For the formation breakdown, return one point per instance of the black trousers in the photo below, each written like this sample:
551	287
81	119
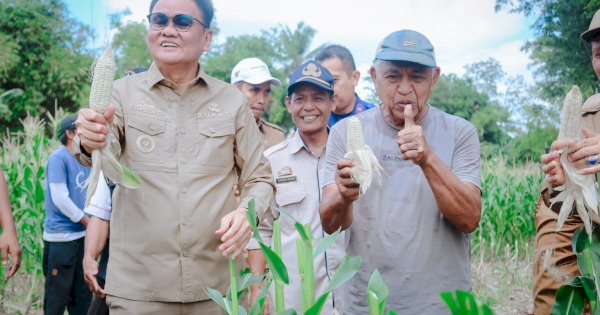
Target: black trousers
65	287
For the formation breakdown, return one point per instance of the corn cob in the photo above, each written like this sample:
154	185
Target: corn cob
103	74
578	190
365	162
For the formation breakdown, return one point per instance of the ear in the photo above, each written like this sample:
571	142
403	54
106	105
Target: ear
373	73
288	104
334	101
355	76
208	35
436	75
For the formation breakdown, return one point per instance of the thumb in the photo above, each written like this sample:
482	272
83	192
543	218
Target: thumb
109	113
588	133
409	117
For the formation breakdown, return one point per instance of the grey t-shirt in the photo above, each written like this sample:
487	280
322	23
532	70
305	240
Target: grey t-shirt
397	225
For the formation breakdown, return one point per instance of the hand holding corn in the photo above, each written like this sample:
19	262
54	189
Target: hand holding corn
103	159
411	140
578	190
365	162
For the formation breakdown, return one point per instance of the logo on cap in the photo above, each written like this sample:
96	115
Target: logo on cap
311	69
409	43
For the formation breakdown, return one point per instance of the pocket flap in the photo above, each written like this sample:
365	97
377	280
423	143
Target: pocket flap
217	129
148	125
289	193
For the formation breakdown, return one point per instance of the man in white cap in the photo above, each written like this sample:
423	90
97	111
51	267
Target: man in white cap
253	78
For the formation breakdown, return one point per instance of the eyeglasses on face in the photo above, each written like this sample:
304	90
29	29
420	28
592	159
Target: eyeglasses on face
181	22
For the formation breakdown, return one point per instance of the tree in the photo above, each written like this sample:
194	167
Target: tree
42	52
485	76
560	58
130	44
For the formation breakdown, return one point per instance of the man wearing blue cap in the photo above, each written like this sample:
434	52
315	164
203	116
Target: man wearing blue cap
298	165
413	226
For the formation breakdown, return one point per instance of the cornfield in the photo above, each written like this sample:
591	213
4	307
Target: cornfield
506	227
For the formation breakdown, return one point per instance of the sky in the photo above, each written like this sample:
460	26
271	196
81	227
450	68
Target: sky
462	31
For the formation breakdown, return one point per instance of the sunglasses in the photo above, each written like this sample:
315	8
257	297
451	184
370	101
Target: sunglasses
181	22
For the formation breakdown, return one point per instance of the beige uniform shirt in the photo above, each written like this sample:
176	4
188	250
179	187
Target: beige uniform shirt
272	134
298	174
186	149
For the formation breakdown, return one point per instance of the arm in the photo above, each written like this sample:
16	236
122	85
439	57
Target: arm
95	240
458	200
96	234
255	182
336	204
9	245
60	197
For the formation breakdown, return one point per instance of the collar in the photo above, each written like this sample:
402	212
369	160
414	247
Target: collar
296	143
154	76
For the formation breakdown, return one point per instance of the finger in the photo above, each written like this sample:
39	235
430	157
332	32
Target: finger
409	118
236	225
589	170
549	157
549	169
109	113
225	223
588	133
241	235
4	250
343	163
559	144
16	262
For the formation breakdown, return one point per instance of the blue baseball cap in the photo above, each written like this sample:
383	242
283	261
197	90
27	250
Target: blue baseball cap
311	72
406	45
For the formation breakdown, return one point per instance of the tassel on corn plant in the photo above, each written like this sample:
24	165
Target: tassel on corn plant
103	74
578	190
365	162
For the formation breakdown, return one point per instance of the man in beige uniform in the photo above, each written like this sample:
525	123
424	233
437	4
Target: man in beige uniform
186	135
554	246
253	78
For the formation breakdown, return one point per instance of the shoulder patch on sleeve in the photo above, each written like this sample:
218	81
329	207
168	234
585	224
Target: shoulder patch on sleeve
270	151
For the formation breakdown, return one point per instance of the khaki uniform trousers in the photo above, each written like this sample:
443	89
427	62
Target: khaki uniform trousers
120	306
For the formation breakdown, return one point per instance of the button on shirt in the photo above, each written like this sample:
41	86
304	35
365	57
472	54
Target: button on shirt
298	174
186	149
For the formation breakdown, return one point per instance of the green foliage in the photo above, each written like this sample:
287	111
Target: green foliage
464	303
572	296
130	48
560	58
510	195
46	57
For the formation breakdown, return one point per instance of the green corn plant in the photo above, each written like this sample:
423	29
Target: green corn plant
279	298
239	284
572	296
377	294
464	303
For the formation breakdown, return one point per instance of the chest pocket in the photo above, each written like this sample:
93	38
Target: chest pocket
146	139
289	197
215	144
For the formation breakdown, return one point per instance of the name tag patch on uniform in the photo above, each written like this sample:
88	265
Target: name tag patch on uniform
147	107
285	179
145	144
214	111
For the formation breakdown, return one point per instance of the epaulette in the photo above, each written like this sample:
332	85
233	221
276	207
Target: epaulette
591	105
281	145
274	126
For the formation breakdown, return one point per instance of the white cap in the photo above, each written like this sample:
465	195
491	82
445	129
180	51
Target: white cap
253	71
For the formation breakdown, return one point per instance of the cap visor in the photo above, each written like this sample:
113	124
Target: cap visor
313	82
262	79
590	34
406	56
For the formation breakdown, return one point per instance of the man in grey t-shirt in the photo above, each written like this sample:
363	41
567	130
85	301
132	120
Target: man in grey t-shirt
413	226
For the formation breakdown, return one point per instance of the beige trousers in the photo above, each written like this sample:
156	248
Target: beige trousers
120	306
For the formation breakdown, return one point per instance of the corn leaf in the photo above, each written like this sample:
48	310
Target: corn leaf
570	298
347	269
326	242
289	311
259	302
252	219
276	265
587	250
316	308
217	297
